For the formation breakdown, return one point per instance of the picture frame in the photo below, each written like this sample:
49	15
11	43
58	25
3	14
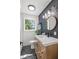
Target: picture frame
29	25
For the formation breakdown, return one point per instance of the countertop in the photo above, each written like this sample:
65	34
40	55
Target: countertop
46	41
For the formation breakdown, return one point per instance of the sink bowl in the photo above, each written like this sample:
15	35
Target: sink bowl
46	40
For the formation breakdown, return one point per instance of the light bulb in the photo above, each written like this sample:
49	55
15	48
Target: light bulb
49	12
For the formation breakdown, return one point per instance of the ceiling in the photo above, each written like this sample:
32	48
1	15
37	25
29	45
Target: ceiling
40	5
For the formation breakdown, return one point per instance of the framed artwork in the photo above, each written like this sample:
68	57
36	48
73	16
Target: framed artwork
29	25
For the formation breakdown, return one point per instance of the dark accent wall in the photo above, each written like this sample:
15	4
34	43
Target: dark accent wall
43	22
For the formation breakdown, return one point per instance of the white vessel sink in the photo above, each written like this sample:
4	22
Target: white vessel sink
46	41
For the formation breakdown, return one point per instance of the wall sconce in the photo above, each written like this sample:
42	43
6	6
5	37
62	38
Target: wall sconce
45	16
48	14
53	13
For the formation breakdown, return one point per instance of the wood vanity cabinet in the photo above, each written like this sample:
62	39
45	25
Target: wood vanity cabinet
46	52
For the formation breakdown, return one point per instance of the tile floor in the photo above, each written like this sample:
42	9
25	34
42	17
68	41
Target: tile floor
28	50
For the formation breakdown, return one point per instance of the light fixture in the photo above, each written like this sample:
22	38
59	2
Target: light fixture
49	12
46	16
43	17
31	7
52	13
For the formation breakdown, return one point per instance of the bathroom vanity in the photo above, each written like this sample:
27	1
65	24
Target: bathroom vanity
46	47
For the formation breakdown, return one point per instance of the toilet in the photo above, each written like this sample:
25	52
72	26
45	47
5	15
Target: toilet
32	43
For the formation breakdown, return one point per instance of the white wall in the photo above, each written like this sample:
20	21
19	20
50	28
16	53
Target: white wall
26	36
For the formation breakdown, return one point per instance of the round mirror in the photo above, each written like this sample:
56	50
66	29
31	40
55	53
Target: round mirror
51	23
